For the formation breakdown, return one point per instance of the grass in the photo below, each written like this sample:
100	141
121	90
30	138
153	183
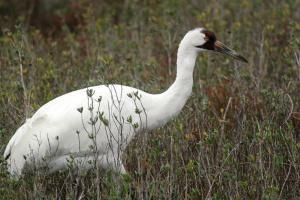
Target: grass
238	137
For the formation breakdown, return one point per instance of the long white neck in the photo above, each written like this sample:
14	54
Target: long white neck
173	100
181	89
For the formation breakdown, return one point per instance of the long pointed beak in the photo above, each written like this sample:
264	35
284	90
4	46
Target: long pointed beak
222	48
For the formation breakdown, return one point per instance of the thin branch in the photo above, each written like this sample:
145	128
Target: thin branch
297	57
291	109
221	170
286	178
23	83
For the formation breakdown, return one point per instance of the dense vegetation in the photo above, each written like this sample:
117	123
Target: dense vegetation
238	137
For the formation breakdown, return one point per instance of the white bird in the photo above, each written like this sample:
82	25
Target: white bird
93	126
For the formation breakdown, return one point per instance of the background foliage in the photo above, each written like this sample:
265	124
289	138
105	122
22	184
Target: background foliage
238	137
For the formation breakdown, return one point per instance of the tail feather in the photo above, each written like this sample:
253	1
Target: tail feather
15	139
8	148
6	156
15	148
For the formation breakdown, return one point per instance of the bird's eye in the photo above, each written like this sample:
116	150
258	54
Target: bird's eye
209	39
209	35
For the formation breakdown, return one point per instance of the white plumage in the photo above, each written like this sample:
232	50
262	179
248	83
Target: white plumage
94	125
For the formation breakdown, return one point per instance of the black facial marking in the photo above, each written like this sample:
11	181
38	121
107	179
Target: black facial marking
210	38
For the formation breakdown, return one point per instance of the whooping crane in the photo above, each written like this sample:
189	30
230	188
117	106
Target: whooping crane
94	125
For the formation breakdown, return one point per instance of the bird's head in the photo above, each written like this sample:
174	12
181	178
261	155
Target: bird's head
201	39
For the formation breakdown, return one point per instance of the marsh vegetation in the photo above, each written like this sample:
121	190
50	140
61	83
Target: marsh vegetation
238	137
